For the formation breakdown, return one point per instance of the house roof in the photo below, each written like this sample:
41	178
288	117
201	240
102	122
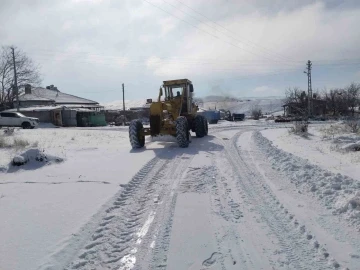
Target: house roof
43	94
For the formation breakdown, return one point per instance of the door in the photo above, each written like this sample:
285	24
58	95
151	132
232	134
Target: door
6	119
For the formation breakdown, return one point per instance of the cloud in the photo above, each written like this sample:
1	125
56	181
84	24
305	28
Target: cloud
99	43
279	43
262	89
266	91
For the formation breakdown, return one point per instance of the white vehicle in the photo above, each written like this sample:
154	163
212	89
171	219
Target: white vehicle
15	119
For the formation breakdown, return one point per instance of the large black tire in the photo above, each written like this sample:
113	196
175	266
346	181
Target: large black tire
26	125
182	132
136	139
200	125
206	128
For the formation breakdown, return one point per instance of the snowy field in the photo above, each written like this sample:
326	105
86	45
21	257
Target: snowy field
248	196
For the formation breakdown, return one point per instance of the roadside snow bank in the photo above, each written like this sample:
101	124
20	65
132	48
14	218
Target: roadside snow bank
335	191
351	146
32	159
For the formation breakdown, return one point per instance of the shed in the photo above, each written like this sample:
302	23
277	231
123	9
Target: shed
87	118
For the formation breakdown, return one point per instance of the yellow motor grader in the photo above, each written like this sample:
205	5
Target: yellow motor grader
174	113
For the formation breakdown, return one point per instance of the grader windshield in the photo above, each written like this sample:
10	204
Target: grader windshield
179	89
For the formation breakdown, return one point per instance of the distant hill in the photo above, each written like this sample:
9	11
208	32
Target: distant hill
118	104
236	105
245	105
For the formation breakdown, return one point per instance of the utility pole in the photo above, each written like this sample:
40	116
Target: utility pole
308	73
123	97
15	79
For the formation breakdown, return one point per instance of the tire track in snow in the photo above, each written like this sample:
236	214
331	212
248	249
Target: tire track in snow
145	205
158	258
229	204
114	234
292	238
334	230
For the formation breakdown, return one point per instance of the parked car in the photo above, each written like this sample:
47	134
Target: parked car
15	119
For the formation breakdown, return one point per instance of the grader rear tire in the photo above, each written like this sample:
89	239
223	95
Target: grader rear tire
206	126
136	139
182	132
200	126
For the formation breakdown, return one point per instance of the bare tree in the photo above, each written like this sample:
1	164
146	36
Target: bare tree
353	97
27	73
332	100
297	98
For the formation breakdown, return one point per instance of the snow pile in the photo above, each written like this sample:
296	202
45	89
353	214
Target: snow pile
32	159
347	142
19	160
351	146
337	192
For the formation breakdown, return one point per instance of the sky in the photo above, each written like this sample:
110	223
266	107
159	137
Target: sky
240	48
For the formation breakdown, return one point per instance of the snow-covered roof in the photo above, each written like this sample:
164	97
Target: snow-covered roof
59	107
37	109
28	97
41	94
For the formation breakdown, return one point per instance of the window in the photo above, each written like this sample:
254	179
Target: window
7	115
15	115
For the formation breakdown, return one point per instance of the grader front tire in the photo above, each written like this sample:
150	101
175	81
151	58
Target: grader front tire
182	132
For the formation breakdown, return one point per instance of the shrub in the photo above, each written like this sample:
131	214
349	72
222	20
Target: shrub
256	113
353	125
300	128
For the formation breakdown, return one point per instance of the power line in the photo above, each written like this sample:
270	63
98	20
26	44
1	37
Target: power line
45	53
232	44
248	41
203	63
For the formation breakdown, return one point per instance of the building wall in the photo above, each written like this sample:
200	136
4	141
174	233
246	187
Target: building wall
44	116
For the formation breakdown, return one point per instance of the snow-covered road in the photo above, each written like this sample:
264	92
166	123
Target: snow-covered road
231	200
215	205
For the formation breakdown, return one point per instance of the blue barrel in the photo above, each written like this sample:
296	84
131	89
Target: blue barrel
212	116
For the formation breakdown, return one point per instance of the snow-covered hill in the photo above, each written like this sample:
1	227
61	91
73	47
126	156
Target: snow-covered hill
118	104
243	105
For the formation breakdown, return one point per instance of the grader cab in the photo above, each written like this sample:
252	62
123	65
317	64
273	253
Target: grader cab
174	113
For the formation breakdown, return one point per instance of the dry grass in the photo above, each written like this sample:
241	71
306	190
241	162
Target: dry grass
3	142
18	143
333	129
